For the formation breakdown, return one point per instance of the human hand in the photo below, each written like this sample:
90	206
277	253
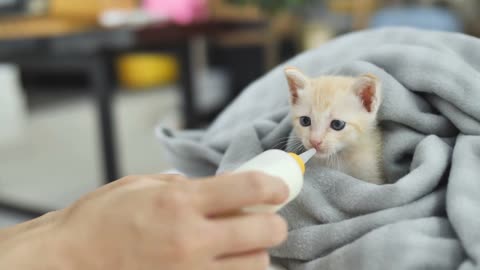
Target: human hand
167	222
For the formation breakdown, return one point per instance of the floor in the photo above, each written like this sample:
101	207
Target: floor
58	160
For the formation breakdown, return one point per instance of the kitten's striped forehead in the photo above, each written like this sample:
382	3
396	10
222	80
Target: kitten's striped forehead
327	91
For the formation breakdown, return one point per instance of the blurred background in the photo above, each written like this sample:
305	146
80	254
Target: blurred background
84	83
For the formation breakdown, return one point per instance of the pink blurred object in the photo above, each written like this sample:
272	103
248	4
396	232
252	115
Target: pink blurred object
180	11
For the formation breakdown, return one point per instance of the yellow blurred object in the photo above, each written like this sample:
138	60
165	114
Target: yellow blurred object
88	10
222	10
144	70
316	34
39	27
62	17
341	5
360	10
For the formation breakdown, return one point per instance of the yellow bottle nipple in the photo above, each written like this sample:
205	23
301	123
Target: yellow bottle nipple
299	160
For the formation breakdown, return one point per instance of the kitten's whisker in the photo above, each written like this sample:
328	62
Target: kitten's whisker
283	140
282	145
297	143
336	161
299	148
294	149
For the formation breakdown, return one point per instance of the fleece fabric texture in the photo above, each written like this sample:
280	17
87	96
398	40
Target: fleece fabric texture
427	216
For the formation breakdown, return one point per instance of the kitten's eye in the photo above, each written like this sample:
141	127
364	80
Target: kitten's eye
337	125
305	121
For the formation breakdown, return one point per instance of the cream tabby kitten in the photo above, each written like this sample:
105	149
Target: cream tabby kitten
337	116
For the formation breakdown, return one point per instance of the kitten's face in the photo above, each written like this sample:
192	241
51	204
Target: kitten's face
330	113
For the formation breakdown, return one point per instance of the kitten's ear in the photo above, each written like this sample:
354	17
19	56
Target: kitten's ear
297	81
367	87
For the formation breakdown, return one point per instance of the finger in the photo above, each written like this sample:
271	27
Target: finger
142	181
251	261
249	232
230	193
151	181
168	177
156	178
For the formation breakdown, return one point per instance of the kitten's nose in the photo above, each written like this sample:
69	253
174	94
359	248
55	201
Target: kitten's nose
315	143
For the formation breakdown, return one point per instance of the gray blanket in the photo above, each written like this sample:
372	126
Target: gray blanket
428	215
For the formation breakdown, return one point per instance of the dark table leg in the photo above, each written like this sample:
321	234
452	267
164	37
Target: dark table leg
186	84
27	211
98	69
103	90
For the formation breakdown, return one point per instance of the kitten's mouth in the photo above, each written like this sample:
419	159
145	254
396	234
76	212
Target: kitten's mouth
322	152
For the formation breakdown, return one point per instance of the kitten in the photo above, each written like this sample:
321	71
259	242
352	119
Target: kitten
337	116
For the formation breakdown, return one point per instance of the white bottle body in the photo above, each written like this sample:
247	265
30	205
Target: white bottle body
279	164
